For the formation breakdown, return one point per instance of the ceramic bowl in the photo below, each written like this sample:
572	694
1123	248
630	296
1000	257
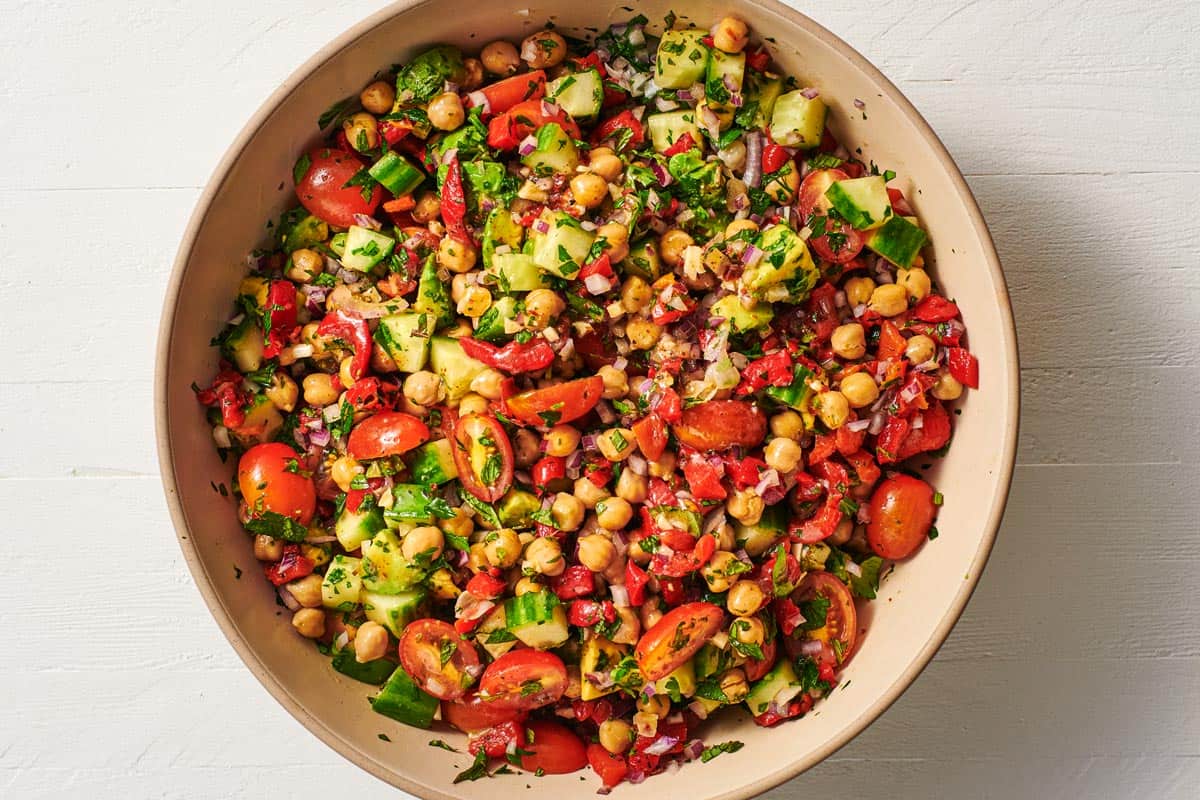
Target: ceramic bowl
919	602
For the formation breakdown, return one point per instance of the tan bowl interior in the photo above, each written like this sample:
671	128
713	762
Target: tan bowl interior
918	603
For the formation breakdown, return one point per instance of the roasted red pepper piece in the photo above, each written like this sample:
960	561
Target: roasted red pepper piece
651	435
289	567
352	331
611	127
635	583
672	304
891	439
773	158
935	308
758	60
704	478
680	145
684	562
770	370
513	357
864	466
891	342
964	367
485	586
226	393
666	403
281	314
744	472
586	613
365	395
454	202
824	446
822	524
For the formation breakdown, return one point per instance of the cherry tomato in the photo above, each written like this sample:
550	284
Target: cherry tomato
554	749
755	668
901	512
721	424
676	637
562	403
611	769
812	191
847	247
323	191
522	680
438	659
841	621
484	456
550	475
388	434
471	713
270	480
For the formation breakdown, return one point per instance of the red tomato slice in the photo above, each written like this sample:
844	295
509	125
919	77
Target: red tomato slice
388	434
504	94
323	191
841	621
676	637
932	435
471	714
812	191
651	435
270	480
849	245
484	456
611	769
964	367
721	424
553	749
522	680
438	659
562	403
901	512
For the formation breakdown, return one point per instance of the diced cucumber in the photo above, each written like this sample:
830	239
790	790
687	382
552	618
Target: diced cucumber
410	504
355	527
405	338
681	59
517	272
433	462
780	686
490	327
796	394
433	296
580	94
863	202
374	672
899	240
537	619
365	248
643	260
798	121
337	243
762	90
740	318
785	259
403	700
397	174
457	369
599	656
262	421
393	611
306	233
342	586
493	633
515	507
680	682
562	249
666	128
554	152
756	539
244	345
724	78
385	570
501	229
710	660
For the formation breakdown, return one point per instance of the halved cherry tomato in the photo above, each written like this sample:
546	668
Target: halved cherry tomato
811	196
901	512
471	713
438	660
483	455
773	157
388	434
841	621
523	680
323	192
552	748
555	404
721	424
676	637
612	126
270	479
504	94
611	769
651	435
755	668
848	244
497	741
550	475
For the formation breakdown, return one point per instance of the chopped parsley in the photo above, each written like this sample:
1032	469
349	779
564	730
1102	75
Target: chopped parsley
709	753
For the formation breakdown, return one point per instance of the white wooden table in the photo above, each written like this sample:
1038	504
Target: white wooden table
1076	669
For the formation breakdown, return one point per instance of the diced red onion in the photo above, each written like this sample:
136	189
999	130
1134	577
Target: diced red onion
857	425
620	596
288	600
575	463
754	148
367	221
877	423
730	84
859	310
528	145
648	690
767	480
839	299
620	364
736	100
700	710
637	464
597	283
918	422
910	391
751	256
810	93
661	746
637	37
661	173
605	412
541	226
854	569
663	104
859	104
588	442
714	521
635	776
601	680
810	647
685	95
449	155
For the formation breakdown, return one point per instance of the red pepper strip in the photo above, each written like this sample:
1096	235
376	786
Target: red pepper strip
891	342
704	479
290	567
393	130
352	331
651	435
497	740
744	472
635	583
681	145
822	525
485	586
226	394
772	370
758	60
575	581
672	591
848	441
964	367
454	202
281	314
824	447
935	308
786	614
513	358
612	126
891	440
365	395
865	467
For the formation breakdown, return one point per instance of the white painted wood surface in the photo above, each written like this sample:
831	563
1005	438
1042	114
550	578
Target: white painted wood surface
1076	669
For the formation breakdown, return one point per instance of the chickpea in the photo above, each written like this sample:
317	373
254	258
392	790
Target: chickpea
543	49
568	511
858	291
613	513
527	585
920	349
915	281
637	553
631	487
544	555
788	424
477	560
343	471
461	524
346	372
734	685
362	132
472	403
306	265
716	571
733	156
561	441
605	163
459	284
642	333
849	341
596	552
282	392
500	58
378	97
616	444
318	390
424	388
725	537
542	307
748	630
745	506
731	35
783	454
650	613
380	360
589	189
663	467
672	244
424	542
502	548
889	300
833	409
306	590
744	598
616	735
783	184
370	643
630	624
635	294
616	383
859	389
487	384
476	300
947	387
659	704
738	226
616	240
309	623
473	78
842	533
446	112
309	335
267	548
428	208
456	256
526	448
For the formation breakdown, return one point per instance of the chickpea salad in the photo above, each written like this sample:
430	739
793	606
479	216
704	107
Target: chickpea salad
584	395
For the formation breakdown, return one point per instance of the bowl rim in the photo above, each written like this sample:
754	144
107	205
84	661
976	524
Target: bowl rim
246	652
